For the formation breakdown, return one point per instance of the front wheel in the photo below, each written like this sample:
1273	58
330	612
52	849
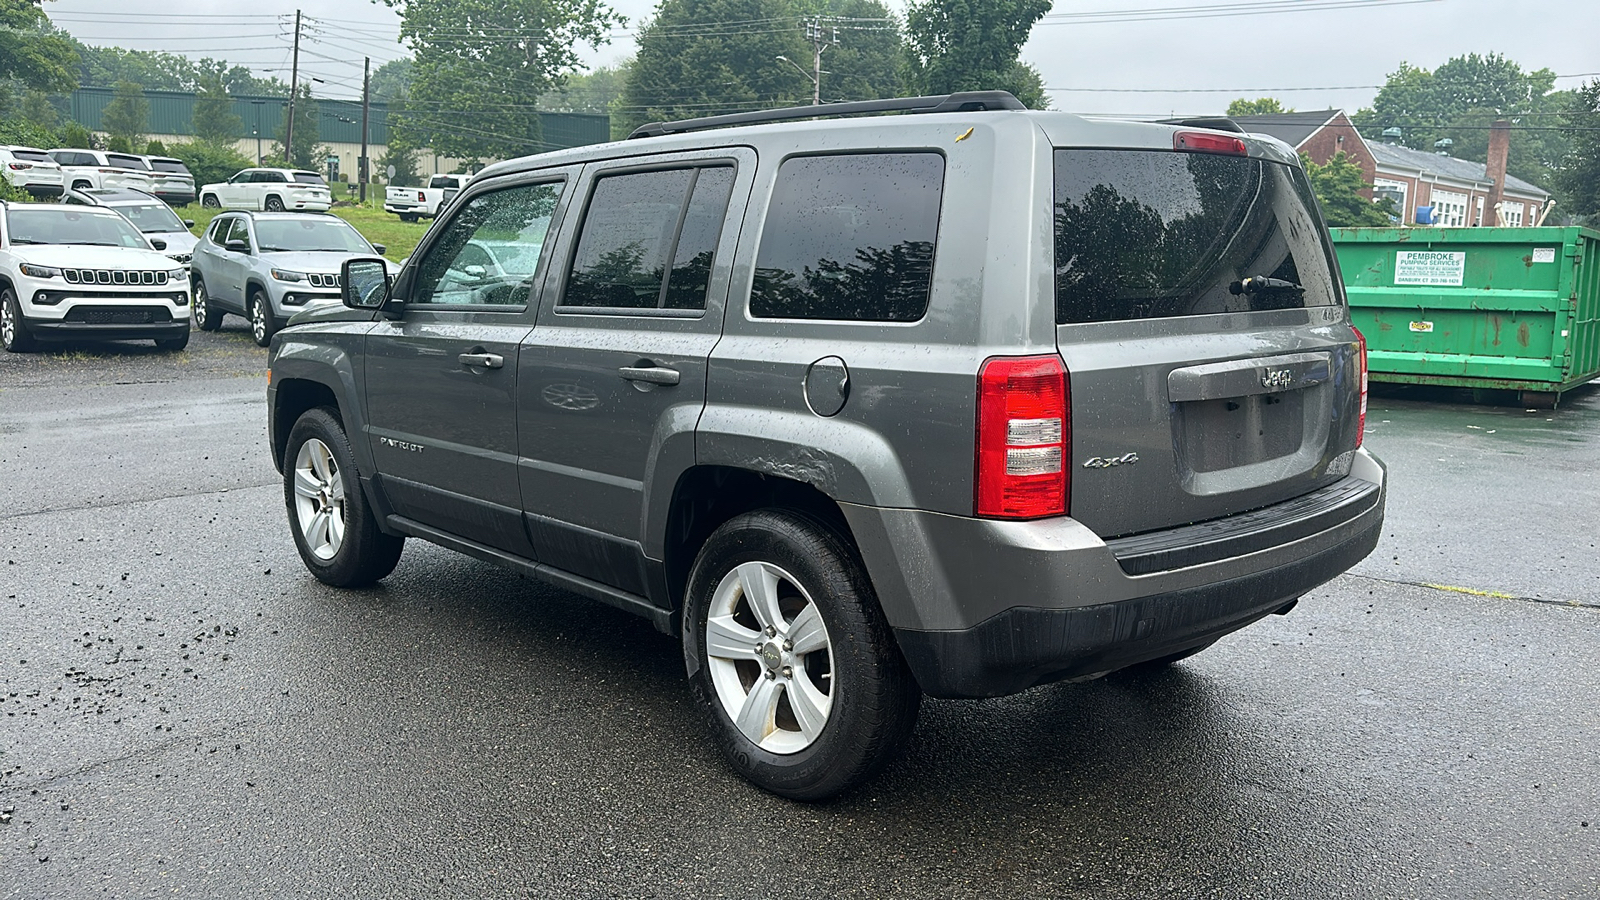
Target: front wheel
334	529
262	325
13	331
789	655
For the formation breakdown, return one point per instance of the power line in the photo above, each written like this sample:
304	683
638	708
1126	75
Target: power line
1216	11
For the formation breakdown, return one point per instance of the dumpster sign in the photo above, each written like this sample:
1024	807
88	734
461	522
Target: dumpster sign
1430	267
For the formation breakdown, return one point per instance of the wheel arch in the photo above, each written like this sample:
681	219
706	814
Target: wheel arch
706	496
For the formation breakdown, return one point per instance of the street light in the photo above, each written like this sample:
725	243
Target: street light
816	80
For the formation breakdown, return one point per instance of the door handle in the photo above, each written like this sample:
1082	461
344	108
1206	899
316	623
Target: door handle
482	360
650	374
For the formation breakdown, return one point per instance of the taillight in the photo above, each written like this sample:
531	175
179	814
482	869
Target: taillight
1201	142
1361	420
421	197
1024	437
18	166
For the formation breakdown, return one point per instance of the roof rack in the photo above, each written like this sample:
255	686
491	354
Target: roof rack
1215	123
966	101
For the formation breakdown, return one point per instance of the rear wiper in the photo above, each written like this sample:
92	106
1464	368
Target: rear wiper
1255	284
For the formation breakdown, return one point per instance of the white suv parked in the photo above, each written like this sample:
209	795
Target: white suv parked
31	170
84	273
98	169
270	189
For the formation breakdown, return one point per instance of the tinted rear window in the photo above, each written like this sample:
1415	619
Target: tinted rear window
1145	234
169	165
443	181
850	237
308	178
127	162
31	155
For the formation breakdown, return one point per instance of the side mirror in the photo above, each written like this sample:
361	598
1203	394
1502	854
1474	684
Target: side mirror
380	248
158	243
237	246
474	271
364	283
188	223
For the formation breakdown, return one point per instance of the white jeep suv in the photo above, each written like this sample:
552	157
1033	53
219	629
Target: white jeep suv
99	169
31	170
86	273
273	190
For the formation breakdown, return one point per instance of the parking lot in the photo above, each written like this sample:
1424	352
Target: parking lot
187	713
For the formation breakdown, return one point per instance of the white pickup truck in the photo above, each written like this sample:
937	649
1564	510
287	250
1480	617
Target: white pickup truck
413	203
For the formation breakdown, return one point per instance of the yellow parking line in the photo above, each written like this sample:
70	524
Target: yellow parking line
1472	591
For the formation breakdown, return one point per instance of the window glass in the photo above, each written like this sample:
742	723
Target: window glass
151	218
169	165
697	239
239	232
31	155
306	178
850	237
215	233
102	228
125	161
310	235
1143	234
627	240
489	251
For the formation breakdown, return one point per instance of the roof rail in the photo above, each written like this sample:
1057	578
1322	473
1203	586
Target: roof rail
966	101
1215	123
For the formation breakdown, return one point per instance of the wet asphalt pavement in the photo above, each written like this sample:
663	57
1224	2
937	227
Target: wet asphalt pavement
185	713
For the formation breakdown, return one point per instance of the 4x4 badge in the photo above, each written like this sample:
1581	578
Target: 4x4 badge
1101	462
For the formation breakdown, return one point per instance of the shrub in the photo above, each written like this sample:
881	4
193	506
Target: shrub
210	162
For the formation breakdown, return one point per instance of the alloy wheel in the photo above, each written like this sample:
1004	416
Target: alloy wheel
319	506
199	303
258	320
770	657
8	325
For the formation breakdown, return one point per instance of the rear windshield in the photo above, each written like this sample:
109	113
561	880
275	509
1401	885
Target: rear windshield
308	178
443	181
169	165
31	155
127	162
1144	234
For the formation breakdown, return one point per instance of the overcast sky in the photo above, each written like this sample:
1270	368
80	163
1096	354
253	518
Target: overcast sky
1330	57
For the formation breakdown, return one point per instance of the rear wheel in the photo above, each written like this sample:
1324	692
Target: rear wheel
210	201
13	330
407	217
274	204
334	529
206	316
262	325
81	185
789	656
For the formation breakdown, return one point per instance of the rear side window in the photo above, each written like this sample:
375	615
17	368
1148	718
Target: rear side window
850	237
648	239
1143	234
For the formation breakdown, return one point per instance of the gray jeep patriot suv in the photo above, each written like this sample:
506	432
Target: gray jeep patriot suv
956	401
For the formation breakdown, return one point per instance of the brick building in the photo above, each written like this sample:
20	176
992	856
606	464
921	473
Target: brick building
1455	191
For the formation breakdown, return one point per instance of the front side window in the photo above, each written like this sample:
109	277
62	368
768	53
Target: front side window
489	252
648	239
95	227
1145	234
219	228
850	237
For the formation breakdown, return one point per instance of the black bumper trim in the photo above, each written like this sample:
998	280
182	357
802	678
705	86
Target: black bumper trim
83	331
1247	532
1026	646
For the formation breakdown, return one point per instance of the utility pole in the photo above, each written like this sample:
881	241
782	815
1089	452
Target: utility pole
366	106
815	31
294	83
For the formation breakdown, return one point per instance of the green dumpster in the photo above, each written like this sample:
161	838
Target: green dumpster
1499	308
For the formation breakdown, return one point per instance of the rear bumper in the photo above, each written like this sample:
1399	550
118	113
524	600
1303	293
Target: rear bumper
175	198
984	608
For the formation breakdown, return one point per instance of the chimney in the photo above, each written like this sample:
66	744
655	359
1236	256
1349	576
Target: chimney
1499	149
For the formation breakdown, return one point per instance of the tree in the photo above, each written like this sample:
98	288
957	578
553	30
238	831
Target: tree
972	45
209	162
33	50
1460	100
391	81
1579	174
77	137
155	148
307	116
214	118
1338	186
125	117
37	109
865	63
1261	106
475	83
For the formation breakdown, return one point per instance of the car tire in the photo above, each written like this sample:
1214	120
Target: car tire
173	344
13	329
334	529
262	325
274	203
407	217
786	586
206	316
210	201
81	185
